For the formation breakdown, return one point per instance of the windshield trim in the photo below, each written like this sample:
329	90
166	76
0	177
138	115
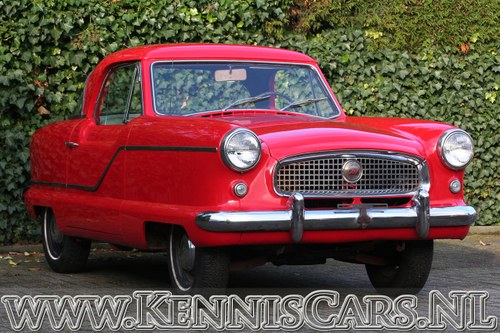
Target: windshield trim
325	84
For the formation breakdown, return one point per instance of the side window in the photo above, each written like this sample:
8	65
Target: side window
121	96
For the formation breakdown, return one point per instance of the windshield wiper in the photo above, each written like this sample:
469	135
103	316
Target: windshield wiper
303	102
248	100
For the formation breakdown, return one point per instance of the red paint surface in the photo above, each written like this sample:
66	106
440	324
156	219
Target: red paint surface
172	187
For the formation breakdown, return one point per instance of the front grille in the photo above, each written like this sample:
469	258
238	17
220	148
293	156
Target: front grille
383	174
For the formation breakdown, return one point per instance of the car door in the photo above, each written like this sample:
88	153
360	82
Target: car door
96	158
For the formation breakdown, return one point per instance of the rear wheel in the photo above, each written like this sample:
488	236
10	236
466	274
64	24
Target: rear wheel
64	254
410	265
195	269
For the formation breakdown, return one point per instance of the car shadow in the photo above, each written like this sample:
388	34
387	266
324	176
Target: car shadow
133	270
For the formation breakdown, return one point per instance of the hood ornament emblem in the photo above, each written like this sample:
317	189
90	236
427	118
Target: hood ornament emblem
352	171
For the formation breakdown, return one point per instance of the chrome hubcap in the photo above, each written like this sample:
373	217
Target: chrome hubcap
53	237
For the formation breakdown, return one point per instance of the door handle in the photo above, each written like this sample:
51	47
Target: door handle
71	144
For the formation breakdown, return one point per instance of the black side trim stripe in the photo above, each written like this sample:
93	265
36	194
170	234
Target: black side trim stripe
130	148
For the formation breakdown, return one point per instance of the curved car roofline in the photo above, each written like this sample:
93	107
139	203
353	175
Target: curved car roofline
208	52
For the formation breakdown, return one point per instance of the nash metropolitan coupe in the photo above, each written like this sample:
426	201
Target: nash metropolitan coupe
225	156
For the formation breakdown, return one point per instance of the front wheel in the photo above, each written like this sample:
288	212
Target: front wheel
63	253
411	263
195	269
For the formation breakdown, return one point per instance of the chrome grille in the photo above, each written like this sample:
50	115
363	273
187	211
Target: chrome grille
322	175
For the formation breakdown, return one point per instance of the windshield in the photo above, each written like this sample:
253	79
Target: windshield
190	88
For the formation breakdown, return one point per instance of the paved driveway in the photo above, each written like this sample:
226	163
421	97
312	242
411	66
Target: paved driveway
469	265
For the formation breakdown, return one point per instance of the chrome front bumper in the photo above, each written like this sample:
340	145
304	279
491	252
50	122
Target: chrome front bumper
295	220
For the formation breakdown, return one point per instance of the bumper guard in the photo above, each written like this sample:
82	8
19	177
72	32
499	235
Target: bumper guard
295	220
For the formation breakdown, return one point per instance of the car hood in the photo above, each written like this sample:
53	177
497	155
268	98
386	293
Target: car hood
287	135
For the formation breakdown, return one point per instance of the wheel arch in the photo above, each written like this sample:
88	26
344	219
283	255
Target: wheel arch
157	234
39	210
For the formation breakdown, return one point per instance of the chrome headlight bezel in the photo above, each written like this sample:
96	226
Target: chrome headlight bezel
445	151
234	159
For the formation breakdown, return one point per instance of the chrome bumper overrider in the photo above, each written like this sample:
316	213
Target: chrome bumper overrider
297	219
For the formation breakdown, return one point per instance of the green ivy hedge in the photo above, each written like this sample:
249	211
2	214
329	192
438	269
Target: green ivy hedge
404	24
442	85
47	47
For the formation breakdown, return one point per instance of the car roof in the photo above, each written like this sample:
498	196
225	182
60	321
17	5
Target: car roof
177	52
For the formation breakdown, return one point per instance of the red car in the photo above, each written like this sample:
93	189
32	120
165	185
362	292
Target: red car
225	156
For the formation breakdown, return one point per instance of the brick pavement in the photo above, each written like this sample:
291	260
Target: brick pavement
470	264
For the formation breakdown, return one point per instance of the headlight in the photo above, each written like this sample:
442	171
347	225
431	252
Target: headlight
456	148
241	149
